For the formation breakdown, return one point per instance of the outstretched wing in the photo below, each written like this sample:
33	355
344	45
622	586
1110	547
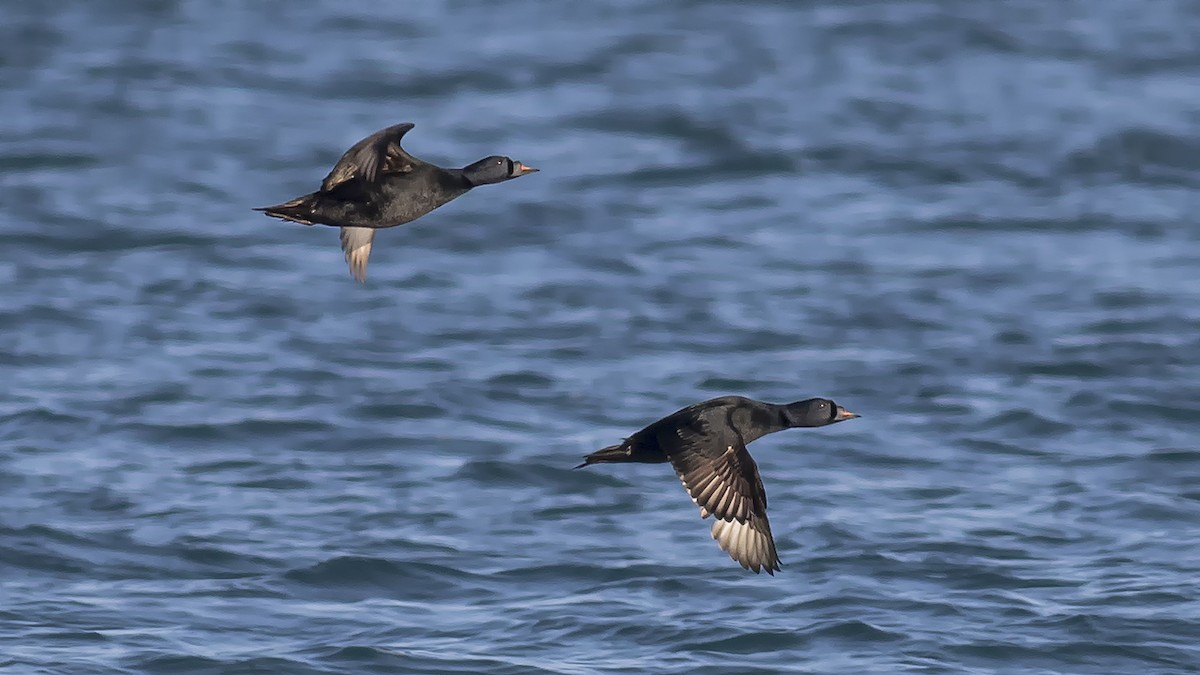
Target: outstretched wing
722	479
356	244
378	153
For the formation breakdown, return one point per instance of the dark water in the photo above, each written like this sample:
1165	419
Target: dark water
973	222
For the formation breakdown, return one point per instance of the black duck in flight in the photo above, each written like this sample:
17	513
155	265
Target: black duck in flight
377	184
706	444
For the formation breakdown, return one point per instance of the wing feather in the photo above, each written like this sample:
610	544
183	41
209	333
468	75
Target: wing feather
722	478
356	244
378	153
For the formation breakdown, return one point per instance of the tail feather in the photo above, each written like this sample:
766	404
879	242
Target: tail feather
613	453
298	210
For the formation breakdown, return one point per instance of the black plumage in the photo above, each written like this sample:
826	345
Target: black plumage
377	184
706	444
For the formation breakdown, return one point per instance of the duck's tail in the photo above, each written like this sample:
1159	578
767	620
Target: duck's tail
299	210
613	453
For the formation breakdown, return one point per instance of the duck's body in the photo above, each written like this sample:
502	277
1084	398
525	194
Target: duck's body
706	444
377	184
394	199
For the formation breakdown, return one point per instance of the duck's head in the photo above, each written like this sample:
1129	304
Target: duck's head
817	412
495	169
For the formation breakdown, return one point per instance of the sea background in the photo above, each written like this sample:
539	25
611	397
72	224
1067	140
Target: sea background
973	222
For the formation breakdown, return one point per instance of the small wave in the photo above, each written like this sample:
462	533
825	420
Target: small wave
360	577
1139	155
364	655
190	663
41	548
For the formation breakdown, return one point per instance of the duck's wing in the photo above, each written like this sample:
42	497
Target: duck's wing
722	479
356	244
376	154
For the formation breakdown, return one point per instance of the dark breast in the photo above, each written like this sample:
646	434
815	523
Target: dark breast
402	198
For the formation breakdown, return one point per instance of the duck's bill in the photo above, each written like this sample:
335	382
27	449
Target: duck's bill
523	169
843	414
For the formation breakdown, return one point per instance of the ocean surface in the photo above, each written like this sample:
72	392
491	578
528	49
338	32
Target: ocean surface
973	222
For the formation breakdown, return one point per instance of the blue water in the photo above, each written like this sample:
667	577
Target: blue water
974	223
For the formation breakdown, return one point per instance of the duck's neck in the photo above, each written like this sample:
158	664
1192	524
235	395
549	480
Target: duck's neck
765	418
783	417
452	182
458	178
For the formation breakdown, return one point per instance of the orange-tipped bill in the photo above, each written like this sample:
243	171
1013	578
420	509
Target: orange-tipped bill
843	415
